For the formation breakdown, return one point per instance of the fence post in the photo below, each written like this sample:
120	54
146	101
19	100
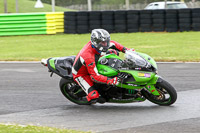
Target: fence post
89	5
5	6
53	5
165	4
127	4
17	6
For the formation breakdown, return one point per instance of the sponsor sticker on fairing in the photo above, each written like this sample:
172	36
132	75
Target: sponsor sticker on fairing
147	75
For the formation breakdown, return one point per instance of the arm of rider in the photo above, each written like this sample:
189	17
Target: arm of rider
112	51
96	77
118	46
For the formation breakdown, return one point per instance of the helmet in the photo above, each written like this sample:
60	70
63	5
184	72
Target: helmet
100	39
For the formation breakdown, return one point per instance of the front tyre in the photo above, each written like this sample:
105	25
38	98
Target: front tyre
167	93
73	92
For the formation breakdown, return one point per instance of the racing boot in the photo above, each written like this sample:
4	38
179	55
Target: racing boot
94	97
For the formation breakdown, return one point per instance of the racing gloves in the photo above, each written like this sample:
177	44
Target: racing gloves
112	51
113	81
130	49
116	80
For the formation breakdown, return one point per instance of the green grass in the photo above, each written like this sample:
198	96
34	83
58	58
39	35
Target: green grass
8	128
182	47
26	6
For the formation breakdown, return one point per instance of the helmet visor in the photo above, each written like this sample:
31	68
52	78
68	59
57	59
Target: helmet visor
104	45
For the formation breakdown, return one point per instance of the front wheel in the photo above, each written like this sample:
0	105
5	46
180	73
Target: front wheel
167	93
73	92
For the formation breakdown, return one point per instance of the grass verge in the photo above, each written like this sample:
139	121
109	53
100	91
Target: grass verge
7	128
180	46
28	6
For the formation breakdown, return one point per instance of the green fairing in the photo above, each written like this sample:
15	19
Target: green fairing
52	63
142	78
142	82
106	70
151	85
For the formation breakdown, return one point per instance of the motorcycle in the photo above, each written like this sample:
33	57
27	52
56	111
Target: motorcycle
137	73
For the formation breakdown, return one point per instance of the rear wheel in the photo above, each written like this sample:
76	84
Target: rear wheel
167	95
73	92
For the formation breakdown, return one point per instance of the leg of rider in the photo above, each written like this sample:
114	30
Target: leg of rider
87	84
92	94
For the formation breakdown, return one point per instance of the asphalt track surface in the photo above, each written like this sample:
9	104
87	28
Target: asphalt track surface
28	95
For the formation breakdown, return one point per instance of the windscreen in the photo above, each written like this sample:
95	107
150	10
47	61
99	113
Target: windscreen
134	59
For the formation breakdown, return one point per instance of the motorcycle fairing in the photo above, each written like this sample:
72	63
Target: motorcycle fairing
108	65
148	83
61	66
149	59
111	65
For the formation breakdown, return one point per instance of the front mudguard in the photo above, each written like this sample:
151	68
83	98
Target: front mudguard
151	85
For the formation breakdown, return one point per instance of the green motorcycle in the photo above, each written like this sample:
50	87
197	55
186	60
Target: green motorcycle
138	79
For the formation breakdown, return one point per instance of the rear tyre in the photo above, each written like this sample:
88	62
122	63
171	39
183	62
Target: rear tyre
73	92
167	95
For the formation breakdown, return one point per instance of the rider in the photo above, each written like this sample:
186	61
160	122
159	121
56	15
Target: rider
84	68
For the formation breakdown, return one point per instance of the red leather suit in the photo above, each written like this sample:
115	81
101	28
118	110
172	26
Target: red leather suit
84	68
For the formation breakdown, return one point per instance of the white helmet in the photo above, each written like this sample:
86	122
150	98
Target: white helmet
100	38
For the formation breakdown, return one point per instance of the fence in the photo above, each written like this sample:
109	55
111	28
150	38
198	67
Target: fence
31	23
171	20
136	6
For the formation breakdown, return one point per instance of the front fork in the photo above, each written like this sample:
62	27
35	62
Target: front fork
151	85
